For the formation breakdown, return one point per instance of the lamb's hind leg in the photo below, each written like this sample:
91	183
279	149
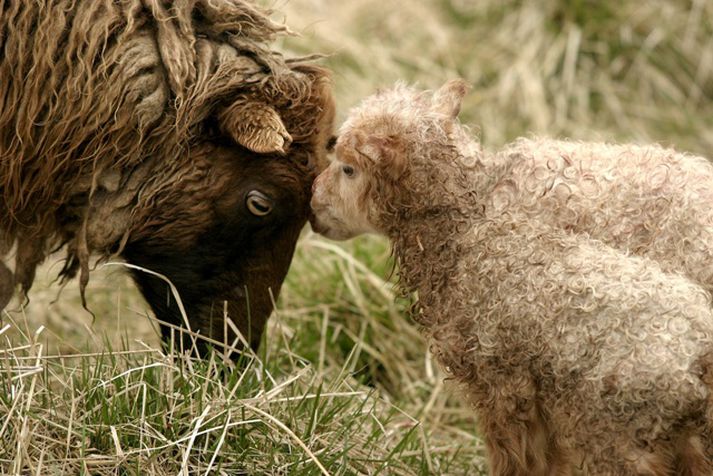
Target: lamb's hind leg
678	451
695	456
519	441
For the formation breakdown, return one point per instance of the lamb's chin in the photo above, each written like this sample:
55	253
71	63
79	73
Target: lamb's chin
331	233
319	227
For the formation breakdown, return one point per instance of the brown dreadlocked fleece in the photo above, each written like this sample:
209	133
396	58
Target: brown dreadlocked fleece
167	133
565	286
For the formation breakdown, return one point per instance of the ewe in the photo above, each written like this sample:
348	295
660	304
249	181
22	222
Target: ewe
575	351
168	133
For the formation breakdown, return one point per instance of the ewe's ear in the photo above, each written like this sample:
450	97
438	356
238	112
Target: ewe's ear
391	155
256	126
448	98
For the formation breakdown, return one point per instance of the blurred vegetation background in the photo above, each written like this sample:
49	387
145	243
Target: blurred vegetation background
587	69
357	386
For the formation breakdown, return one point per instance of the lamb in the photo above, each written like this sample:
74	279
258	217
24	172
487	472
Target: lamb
575	347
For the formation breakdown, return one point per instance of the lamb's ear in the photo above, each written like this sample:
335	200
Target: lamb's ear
256	126
390	155
448	98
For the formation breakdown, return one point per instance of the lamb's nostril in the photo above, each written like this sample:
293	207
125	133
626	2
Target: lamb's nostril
315	184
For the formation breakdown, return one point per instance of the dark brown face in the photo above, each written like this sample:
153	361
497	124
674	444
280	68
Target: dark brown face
227	234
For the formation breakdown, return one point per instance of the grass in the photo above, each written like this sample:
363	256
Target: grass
145	412
343	383
323	396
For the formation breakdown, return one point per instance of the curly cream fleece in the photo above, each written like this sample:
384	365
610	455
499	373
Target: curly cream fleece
565	286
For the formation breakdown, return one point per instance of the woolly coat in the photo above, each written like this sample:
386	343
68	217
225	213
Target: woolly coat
645	200
607	349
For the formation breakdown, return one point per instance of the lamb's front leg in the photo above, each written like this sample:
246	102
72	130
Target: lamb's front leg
519	440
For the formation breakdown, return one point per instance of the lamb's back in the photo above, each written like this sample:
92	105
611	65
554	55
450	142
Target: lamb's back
647	200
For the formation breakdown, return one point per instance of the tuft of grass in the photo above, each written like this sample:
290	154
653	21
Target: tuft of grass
344	383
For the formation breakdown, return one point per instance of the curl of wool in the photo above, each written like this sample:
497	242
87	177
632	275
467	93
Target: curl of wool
118	94
565	286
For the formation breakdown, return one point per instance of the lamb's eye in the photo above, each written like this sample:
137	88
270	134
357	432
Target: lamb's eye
348	170
258	203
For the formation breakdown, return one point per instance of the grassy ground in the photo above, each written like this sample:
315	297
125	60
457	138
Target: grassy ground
344	384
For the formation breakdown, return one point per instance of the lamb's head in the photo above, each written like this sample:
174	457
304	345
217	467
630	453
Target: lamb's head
386	153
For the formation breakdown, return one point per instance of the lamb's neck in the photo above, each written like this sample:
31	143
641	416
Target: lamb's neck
427	249
428	230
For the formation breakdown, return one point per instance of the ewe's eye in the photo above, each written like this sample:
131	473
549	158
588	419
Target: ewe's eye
258	203
348	170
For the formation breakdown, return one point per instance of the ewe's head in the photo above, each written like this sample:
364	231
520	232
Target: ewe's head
386	148
224	229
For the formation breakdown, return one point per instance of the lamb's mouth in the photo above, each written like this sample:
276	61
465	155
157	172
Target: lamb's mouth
318	225
326	224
